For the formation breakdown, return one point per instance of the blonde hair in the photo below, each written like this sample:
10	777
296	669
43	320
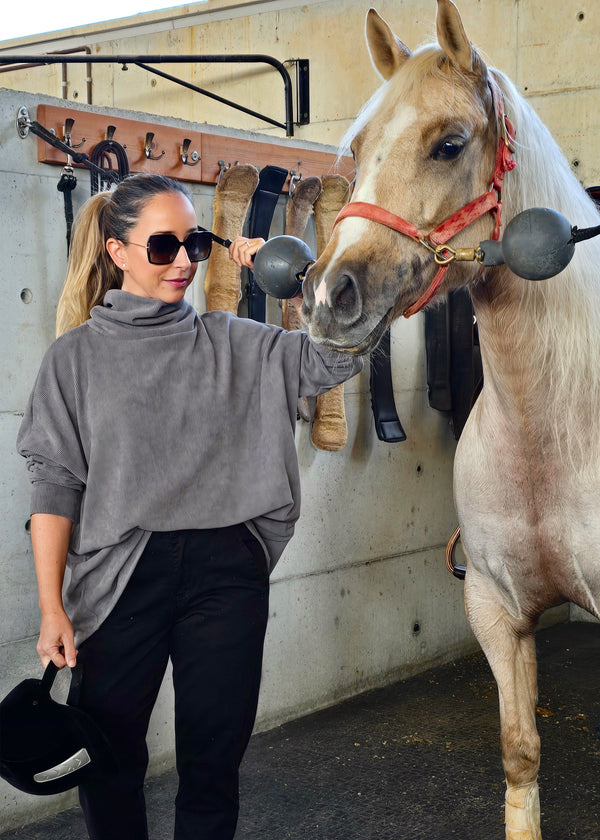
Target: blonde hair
91	271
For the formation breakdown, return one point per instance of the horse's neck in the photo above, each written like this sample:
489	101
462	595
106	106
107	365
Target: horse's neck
537	365
505	361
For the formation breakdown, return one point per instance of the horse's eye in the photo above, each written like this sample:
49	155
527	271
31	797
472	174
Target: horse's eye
449	148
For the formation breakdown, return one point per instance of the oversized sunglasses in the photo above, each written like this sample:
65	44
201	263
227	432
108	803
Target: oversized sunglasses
162	248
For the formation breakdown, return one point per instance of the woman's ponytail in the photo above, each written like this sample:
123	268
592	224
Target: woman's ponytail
90	270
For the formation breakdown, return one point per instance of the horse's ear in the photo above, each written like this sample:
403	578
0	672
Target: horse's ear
388	53
452	37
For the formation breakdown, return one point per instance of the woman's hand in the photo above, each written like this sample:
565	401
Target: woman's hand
243	249
56	641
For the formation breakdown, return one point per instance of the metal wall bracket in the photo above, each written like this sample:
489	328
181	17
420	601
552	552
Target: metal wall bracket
142	61
302	91
23	122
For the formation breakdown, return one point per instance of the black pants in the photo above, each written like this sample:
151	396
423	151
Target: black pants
200	598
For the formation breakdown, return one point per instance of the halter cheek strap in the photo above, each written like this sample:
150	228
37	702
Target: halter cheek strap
435	241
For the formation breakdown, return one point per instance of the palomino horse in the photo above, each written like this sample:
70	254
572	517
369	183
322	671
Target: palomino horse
433	148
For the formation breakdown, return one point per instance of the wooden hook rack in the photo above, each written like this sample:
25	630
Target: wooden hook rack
213	151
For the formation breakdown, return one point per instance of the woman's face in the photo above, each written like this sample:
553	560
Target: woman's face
165	213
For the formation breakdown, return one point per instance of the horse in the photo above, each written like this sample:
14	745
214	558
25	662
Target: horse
446	152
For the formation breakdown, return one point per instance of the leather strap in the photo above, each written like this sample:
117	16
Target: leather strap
262	207
437	349
465	358
100	157
387	424
48	678
454	370
66	185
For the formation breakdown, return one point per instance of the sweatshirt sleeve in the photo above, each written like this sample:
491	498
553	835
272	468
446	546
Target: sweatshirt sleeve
54	489
321	368
49	438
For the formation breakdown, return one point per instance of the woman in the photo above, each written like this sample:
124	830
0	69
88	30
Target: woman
161	451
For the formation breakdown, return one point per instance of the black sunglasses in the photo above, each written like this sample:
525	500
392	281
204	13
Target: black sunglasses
162	248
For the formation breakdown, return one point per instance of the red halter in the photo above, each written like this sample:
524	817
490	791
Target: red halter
435	241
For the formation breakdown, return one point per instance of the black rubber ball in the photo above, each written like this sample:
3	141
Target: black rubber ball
537	243
280	265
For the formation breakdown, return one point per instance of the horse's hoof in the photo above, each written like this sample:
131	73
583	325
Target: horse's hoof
522	813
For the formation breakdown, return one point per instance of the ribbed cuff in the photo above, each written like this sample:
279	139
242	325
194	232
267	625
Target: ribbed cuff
55	499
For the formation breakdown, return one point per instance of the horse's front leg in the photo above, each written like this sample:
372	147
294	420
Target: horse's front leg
509	646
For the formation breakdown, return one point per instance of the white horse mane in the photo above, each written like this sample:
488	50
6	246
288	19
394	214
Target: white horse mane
562	313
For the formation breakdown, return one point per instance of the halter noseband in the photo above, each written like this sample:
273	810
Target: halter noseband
435	241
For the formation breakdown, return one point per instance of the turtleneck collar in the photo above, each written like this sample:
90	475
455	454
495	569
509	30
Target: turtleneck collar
123	314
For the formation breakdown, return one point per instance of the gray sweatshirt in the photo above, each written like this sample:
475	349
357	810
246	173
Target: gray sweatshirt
150	417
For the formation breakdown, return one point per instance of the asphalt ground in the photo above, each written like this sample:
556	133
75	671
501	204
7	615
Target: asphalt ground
418	760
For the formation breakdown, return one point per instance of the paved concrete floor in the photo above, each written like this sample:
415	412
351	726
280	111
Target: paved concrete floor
416	761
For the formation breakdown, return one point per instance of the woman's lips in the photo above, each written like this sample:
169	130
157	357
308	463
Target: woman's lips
178	282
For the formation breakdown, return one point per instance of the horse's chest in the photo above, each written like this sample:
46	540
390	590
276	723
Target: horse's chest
522	501
528	514
498	475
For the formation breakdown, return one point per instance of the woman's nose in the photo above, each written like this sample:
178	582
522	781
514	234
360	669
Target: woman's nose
182	258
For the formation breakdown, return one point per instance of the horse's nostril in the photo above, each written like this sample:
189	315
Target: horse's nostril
345	294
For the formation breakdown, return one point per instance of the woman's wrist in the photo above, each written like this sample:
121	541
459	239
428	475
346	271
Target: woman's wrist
50	608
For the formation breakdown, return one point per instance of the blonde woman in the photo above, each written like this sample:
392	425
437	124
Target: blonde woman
160	445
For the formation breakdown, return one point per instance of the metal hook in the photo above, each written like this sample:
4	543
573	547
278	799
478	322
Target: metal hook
148	144
194	157
67	129
293	179
110	132
223	167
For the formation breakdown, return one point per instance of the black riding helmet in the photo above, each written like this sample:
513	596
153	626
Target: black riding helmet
48	747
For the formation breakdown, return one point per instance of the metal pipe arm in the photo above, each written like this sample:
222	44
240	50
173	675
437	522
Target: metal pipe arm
141	60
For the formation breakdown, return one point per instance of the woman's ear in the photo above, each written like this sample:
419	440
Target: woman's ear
116	250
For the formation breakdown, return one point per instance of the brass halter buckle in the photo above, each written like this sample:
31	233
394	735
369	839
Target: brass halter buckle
445	254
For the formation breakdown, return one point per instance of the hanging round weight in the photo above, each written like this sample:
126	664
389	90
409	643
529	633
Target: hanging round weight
280	266
538	243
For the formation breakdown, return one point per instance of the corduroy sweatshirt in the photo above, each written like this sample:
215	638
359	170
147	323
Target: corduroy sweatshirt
151	417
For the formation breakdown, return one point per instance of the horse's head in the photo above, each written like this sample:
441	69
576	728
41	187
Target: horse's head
425	147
